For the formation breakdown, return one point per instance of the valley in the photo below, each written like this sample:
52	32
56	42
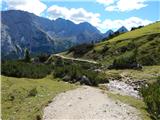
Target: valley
58	69
16	92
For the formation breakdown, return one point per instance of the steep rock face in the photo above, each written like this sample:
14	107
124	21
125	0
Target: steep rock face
22	30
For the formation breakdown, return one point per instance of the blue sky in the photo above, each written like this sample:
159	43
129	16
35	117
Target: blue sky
103	14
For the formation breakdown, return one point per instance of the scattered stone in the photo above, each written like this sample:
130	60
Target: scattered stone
66	78
98	70
79	98
69	105
123	88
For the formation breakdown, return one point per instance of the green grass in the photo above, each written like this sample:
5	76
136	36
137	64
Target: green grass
151	97
138	104
20	69
17	104
148	48
147	30
148	73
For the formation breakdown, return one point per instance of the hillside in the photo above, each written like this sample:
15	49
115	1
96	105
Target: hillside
145	40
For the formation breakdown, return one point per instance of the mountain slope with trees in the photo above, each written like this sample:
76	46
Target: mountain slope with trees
145	41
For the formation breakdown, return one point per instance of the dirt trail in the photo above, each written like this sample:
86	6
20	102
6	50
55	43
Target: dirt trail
76	59
88	103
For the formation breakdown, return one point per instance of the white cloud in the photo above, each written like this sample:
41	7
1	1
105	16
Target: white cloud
128	23
105	2
122	5
76	15
111	8
33	6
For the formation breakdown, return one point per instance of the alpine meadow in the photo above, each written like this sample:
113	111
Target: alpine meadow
80	59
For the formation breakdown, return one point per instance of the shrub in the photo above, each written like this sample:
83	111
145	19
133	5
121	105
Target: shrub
71	70
151	95
22	69
126	61
123	49
131	45
33	92
102	78
27	57
38	117
75	73
59	72
134	28
59	61
105	49
92	76
147	59
43	57
80	50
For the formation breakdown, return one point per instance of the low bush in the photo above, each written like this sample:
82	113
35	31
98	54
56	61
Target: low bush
105	49
76	73
151	95
80	50
43	58
22	69
126	61
33	92
147	59
134	28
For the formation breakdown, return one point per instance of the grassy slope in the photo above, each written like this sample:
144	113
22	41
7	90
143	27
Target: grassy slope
146	39
147	30
25	107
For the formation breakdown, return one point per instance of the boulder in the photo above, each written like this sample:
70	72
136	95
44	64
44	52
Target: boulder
85	80
66	78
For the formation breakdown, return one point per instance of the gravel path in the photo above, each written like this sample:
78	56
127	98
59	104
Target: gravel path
76	59
88	103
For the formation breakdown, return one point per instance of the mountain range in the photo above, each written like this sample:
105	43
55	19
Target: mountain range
20	30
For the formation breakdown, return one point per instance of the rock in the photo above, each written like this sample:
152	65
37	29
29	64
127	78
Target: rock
123	88
79	98
85	80
135	88
98	70
66	78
